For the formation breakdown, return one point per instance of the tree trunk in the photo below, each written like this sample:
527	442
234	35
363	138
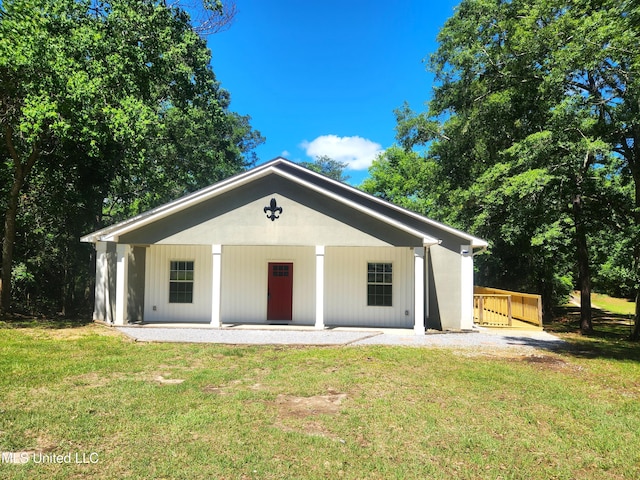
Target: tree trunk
20	171
635	335
7	247
547	301
633	159
584	274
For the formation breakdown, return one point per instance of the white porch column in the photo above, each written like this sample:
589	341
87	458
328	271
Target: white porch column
466	287
122	283
100	296
216	284
319	287
419	284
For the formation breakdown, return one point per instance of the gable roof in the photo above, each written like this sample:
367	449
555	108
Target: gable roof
428	230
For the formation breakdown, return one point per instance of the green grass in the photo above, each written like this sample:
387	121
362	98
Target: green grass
607	304
305	413
618	306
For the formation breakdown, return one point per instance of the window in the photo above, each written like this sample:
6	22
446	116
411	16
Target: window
181	282
379	284
280	271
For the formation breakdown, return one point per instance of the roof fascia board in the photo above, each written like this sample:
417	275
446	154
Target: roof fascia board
475	241
113	232
105	234
426	239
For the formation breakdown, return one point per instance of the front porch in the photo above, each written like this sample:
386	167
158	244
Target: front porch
229	286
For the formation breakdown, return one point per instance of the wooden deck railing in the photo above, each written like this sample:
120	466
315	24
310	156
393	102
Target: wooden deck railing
495	307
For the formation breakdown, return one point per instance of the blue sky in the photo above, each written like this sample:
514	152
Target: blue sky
323	77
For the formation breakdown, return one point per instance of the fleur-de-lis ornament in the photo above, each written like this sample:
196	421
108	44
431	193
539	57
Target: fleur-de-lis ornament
273	208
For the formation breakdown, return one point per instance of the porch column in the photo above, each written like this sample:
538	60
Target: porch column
122	282
418	273
216	283
466	287
319	287
102	287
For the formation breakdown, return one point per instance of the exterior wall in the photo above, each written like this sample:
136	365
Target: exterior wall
105	290
346	287
112	266
135	283
156	303
244	283
445	289
297	225
101	297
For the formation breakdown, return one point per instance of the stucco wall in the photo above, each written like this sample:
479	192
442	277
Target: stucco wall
450	287
445	283
136	284
105	289
238	218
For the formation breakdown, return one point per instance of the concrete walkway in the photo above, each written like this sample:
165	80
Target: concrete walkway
480	338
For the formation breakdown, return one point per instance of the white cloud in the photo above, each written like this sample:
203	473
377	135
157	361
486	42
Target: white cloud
357	152
285	154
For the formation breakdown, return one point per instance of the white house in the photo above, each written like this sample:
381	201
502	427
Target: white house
282	244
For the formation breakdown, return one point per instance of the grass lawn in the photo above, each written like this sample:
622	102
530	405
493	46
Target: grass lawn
620	306
177	411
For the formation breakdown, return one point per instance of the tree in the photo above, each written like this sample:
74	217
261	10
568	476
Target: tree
94	95
210	16
534	100
405	178
329	167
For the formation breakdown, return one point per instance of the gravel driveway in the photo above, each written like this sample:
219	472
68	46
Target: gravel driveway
256	336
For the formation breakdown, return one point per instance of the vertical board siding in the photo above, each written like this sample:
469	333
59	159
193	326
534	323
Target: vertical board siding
245	276
158	260
346	287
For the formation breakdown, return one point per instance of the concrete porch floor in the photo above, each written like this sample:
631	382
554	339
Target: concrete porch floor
247	334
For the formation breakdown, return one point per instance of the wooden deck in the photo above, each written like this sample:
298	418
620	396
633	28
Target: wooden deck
505	309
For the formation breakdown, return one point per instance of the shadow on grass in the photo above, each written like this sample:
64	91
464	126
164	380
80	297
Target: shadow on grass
10	321
609	339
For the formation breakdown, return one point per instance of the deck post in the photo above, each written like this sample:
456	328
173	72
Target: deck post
540	310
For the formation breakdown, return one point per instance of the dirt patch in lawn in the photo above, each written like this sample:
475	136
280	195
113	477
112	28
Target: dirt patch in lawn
545	360
91	379
299	414
302	407
167	381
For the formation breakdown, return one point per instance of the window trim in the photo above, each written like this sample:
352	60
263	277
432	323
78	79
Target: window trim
380	299
185	296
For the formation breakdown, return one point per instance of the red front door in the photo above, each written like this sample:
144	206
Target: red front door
280	293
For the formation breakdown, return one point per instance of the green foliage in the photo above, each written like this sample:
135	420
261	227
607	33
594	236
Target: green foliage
329	167
107	109
533	129
404	178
